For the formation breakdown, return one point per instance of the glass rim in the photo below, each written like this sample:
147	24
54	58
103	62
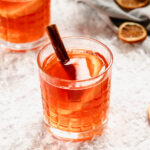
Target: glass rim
77	37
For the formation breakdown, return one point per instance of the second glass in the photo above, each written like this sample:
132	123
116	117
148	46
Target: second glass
22	23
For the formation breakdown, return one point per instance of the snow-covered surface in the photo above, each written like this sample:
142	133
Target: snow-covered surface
21	125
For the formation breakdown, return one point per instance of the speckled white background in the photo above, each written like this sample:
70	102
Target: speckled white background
21	125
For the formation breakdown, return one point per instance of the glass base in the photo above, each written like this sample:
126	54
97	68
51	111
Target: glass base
17	47
76	136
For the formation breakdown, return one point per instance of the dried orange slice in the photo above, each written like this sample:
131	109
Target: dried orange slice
17	9
148	111
132	4
131	32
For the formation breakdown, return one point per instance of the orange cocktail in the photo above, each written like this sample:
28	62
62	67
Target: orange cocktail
76	106
23	22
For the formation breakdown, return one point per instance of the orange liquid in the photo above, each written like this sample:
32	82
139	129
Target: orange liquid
23	21
76	109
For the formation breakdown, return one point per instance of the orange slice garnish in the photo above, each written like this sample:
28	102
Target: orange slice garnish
132	4
17	9
94	64
131	32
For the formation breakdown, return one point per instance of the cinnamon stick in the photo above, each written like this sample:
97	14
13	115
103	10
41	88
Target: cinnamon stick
60	51
57	44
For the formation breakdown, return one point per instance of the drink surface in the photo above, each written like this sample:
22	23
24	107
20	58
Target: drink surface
82	66
81	109
23	21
